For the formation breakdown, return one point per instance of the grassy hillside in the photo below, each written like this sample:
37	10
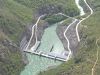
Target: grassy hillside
86	55
10	57
66	6
14	16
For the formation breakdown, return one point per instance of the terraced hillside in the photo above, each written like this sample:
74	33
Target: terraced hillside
88	51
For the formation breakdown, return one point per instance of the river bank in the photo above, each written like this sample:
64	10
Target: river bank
40	33
46	44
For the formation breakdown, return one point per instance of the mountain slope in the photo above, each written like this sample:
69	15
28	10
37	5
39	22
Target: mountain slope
86	55
14	17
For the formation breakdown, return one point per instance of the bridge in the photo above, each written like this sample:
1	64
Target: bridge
50	55
61	56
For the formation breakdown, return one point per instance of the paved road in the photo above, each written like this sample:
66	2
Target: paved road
72	37
71	33
91	12
33	28
97	58
67	38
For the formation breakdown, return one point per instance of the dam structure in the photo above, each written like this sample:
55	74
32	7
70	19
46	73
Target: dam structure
49	46
52	55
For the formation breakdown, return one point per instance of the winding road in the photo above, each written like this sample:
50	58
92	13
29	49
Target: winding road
33	31
68	33
75	20
68	40
97	55
91	12
81	14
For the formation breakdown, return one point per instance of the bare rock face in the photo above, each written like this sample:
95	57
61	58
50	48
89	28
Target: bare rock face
40	29
70	34
28	31
27	34
60	32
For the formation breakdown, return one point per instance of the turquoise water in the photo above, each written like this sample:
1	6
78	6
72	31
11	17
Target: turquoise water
49	39
37	63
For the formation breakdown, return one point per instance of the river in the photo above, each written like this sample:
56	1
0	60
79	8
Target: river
37	63
80	8
49	39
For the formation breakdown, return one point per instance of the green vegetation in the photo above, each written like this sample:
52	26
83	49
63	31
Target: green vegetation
10	57
86	54
14	16
54	18
66	6
12	22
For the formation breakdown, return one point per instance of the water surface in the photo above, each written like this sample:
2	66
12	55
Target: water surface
80	8
37	63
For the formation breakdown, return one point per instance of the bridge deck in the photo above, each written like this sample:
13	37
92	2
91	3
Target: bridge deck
49	55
